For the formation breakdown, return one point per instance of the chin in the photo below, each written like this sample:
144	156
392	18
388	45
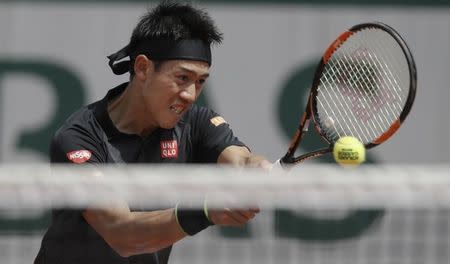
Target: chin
168	125
169	121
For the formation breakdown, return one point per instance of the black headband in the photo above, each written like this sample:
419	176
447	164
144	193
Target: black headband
161	49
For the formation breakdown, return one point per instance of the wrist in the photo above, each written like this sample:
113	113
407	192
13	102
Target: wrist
192	220
206	212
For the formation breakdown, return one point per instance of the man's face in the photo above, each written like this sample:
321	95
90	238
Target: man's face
170	90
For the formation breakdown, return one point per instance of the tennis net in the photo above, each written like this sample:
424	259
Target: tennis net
310	214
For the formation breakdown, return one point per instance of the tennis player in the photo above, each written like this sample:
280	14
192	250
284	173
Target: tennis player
150	119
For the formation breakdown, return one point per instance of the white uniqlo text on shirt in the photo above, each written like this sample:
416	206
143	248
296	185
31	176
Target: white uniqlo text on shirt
169	149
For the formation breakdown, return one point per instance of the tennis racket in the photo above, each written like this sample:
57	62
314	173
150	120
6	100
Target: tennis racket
364	86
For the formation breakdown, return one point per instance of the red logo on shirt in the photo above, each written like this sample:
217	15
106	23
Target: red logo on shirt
169	149
79	156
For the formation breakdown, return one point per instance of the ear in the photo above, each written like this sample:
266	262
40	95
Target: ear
142	67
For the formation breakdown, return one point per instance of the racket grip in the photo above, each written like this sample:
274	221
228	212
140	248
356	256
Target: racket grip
277	164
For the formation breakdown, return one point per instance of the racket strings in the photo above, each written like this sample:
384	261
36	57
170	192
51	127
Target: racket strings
387	78
349	66
358	66
393	80
336	116
351	128
363	87
386	70
365	95
356	128
328	78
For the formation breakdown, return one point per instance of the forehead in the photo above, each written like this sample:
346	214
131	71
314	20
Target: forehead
196	67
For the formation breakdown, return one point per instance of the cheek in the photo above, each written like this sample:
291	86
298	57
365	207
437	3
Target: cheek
158	93
147	95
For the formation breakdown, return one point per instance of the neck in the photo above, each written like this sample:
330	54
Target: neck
128	112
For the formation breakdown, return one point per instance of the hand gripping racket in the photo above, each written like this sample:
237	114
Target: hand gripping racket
364	86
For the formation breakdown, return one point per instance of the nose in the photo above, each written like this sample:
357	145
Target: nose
189	93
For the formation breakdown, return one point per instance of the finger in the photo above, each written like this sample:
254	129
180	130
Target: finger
265	164
224	217
248	214
254	209
235	217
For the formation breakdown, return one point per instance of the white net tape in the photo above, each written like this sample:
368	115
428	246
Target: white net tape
311	186
319	214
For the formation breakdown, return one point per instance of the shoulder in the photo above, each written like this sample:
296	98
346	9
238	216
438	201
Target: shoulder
81	123
211	134
201	115
205	122
80	132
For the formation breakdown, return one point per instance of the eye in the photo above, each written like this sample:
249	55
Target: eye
183	78
201	81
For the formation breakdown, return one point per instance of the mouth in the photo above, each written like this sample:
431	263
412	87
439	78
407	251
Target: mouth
177	109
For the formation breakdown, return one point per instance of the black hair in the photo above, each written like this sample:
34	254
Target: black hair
175	21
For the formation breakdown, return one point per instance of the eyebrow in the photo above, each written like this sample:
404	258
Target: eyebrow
206	75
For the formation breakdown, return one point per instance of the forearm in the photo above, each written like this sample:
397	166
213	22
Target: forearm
241	156
132	233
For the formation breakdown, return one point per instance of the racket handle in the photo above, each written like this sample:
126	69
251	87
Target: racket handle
277	164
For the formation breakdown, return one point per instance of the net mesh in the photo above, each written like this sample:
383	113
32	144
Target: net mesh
363	87
311	214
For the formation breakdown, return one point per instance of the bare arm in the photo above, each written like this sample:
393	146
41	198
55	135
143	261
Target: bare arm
132	233
239	156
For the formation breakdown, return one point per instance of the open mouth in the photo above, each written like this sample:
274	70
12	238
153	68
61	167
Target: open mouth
177	109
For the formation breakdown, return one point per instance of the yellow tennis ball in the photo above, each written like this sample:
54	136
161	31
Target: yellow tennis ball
349	151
